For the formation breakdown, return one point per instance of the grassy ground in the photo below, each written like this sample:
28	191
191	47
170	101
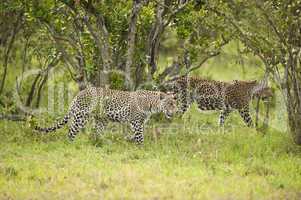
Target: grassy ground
194	160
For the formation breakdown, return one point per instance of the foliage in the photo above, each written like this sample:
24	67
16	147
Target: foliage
89	40
271	31
117	81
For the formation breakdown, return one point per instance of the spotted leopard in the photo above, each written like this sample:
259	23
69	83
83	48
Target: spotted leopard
107	105
218	95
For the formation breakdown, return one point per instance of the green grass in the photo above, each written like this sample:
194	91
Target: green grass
194	160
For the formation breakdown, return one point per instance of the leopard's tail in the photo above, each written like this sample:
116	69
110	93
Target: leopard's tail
58	125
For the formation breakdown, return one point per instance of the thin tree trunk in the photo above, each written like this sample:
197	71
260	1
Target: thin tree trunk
32	90
137	5
44	80
154	39
293	95
24	58
8	50
294	119
40	89
257	111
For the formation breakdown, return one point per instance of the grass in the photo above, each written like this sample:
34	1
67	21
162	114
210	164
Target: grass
194	160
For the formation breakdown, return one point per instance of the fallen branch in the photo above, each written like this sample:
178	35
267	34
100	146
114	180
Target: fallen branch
12	117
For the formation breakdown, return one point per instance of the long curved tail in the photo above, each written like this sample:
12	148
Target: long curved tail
58	125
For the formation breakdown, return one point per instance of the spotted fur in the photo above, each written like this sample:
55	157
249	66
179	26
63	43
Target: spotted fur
218	95
107	105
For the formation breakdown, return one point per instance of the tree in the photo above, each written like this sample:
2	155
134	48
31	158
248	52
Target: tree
271	30
97	38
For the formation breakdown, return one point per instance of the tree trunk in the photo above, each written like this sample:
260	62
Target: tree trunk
294	119
257	111
8	50
154	39
32	90
293	95
137	5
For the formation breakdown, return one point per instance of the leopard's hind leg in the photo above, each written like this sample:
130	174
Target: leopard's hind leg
79	120
222	117
137	127
245	114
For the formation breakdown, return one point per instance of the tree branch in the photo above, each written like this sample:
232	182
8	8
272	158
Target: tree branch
174	12
12	117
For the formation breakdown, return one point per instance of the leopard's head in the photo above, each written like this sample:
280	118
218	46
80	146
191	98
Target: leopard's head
168	104
264	94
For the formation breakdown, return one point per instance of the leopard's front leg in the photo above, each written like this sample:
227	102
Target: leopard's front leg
182	98
100	124
137	127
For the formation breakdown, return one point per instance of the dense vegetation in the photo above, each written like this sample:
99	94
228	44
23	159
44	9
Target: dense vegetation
50	49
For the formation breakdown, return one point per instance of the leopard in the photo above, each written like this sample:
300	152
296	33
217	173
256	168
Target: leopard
108	105
219	95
